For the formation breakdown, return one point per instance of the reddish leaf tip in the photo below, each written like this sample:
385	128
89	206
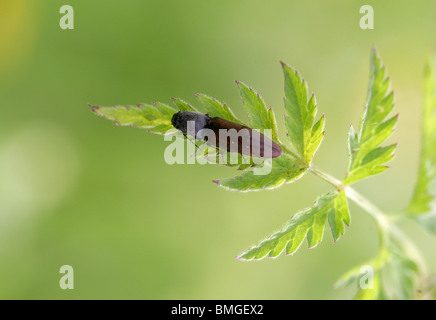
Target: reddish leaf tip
93	108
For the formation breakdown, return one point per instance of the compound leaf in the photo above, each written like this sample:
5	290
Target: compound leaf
307	224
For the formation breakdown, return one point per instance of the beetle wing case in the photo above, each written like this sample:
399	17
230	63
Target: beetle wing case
235	137
225	134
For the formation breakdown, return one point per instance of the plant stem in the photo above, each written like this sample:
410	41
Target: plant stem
385	225
378	215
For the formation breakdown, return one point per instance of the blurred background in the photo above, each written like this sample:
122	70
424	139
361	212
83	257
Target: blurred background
77	190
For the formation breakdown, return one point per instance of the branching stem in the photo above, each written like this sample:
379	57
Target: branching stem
385	225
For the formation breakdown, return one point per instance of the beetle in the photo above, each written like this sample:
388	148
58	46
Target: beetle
227	135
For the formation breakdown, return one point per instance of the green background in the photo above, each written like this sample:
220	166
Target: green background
77	190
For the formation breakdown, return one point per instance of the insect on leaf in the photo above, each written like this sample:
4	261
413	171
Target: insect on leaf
283	169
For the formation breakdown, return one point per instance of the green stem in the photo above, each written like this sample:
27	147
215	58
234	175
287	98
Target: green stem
386	226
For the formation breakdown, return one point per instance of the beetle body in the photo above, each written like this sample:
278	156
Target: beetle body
225	134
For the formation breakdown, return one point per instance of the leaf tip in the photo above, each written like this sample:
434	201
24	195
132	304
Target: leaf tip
93	108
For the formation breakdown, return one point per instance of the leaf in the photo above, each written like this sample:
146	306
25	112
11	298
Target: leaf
399	278
183	105
355	274
278	171
284	169
216	108
156	118
367	158
423	204
214	155
305	136
307	224
260	117
395	275
371	293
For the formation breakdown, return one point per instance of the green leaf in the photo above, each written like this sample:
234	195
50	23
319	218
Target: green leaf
307	224
355	275
283	169
373	293
305	136
214	155
278	171
156	118
399	278
216	108
183	105
395	274
367	158
423	204
259	116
